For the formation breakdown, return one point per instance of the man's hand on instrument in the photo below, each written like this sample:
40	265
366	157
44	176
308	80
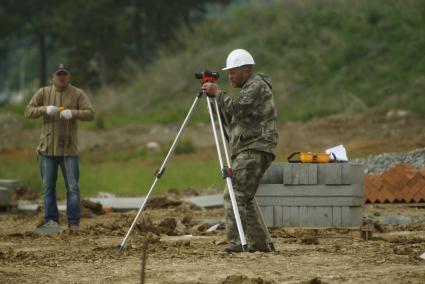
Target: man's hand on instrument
52	110
211	89
66	114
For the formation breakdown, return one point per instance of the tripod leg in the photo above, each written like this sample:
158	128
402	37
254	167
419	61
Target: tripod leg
228	178
263	225
159	173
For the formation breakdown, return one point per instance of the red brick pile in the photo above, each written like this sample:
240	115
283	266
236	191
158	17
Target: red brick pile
401	183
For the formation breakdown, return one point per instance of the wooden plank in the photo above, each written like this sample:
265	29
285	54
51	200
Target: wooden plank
310	201
356	216
278	216
336	216
333	173
352	174
273	175
294	216
309	191
312	174
268	216
300	173
311	216
345	216
286	213
287	173
303	216
326	213
295	174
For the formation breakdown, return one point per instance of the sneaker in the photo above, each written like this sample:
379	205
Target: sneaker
73	227
50	227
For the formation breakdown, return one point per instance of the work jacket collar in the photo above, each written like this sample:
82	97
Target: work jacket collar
60	89
247	82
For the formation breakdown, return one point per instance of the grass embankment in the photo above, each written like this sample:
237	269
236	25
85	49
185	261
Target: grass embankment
324	57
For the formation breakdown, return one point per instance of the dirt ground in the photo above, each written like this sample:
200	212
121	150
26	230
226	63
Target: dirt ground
179	251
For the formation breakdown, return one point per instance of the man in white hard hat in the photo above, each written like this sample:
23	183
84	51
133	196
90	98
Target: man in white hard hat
250	120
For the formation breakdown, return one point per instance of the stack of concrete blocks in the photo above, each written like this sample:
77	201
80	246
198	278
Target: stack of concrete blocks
312	195
6	187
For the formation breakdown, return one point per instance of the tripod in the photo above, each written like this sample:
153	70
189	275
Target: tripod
226	172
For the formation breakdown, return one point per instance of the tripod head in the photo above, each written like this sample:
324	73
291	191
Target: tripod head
207	76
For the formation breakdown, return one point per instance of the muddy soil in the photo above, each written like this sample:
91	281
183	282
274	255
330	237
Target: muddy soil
180	251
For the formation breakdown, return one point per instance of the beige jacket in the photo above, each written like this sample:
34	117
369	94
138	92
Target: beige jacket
59	136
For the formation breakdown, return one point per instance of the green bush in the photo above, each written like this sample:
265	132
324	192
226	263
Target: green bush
184	146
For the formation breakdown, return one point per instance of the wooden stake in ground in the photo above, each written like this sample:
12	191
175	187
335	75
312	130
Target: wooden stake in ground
144	258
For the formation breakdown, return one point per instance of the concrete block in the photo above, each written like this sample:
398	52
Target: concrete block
308	216
315	195
273	175
320	191
333	173
4	197
9	183
308	201
295	174
352	174
299	174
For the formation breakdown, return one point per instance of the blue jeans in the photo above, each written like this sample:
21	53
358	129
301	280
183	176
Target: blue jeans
49	173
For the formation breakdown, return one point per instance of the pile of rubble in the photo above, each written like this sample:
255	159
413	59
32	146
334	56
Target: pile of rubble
402	183
375	164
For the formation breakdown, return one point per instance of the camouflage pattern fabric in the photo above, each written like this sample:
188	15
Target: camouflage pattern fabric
249	166
250	118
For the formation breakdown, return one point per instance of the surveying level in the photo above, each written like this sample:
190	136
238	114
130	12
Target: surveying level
225	169
207	76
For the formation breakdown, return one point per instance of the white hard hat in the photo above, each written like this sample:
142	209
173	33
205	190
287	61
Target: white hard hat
237	58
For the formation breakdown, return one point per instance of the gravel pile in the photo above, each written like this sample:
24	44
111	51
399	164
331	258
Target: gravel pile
375	164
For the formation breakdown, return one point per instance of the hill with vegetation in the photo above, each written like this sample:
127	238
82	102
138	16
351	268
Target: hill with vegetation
324	57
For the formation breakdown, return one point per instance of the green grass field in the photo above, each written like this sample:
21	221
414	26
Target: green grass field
123	175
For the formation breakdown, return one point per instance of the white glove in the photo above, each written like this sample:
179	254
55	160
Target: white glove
66	114
52	110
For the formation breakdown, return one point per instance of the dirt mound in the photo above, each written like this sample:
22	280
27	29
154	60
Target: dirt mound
163	202
94	207
24	193
167	226
242	279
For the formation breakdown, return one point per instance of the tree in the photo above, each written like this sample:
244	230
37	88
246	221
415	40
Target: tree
32	20
99	37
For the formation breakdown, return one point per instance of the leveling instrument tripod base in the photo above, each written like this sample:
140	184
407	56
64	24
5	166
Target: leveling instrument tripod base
226	170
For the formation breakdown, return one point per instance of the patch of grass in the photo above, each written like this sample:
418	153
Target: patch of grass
125	176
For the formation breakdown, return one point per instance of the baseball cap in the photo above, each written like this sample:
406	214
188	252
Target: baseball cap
61	67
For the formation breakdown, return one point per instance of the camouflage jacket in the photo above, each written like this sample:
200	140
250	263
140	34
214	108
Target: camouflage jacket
250	119
56	131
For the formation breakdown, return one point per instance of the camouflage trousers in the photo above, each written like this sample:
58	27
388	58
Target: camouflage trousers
249	166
